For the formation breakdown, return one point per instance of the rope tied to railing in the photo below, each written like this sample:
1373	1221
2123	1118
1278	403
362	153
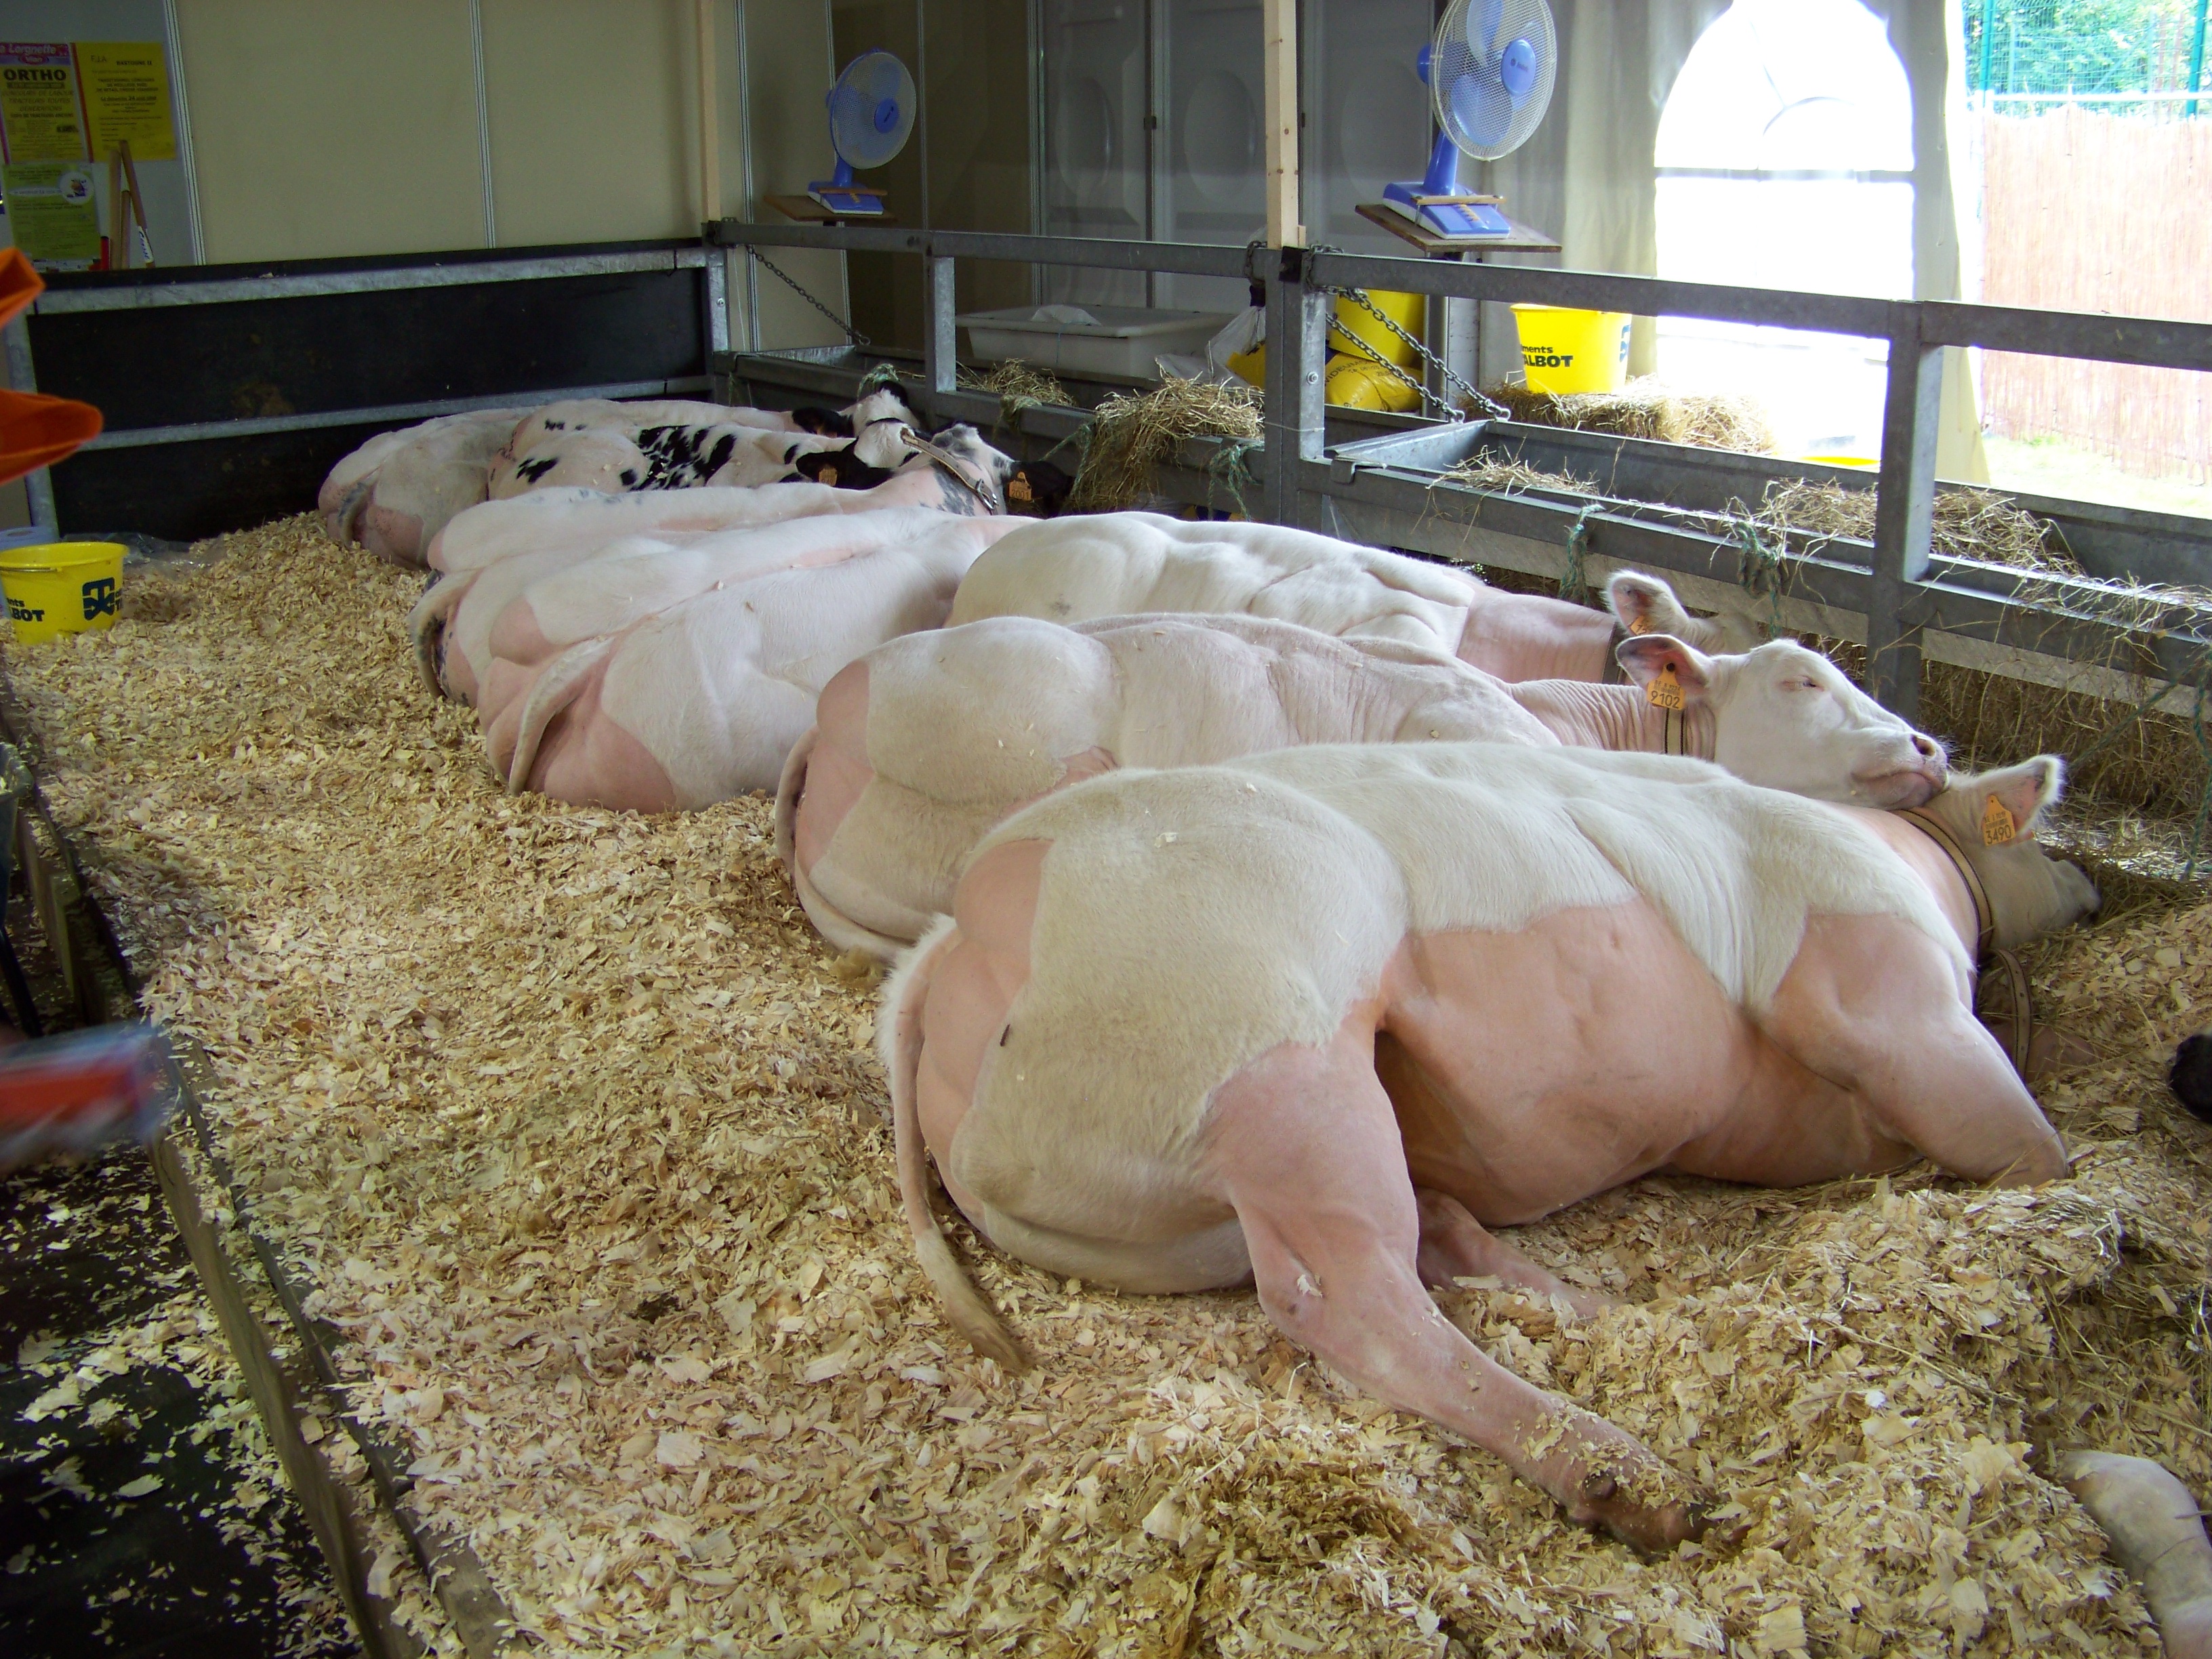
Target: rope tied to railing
1762	571
1231	465
1574	586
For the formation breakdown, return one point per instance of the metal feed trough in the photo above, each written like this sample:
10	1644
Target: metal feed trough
1661	507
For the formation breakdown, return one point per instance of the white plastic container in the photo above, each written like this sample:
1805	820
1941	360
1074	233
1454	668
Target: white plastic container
1119	341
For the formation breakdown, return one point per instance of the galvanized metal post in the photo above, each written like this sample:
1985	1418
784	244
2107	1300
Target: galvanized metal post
2195	57
1298	336
39	486
1904	510
938	345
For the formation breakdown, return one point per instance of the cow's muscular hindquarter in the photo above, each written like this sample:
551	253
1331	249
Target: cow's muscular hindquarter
1298	1181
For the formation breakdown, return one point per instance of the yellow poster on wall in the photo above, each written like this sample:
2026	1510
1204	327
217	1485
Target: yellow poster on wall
51	214
40	119
126	98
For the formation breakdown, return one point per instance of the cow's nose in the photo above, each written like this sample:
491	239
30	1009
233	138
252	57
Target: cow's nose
1926	747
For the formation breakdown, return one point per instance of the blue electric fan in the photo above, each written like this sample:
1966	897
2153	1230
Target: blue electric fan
1488	73
870	113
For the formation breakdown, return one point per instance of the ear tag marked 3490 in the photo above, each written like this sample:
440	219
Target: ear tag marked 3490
1997	825
1666	691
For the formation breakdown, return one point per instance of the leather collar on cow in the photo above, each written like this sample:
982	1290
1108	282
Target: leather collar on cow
952	464
1986	954
1985	919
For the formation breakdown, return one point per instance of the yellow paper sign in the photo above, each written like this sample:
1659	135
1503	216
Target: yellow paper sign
1997	825
126	98
1666	691
38	114
50	211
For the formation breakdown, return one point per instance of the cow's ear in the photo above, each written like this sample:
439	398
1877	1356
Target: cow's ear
1649	659
822	422
1645	604
2007	804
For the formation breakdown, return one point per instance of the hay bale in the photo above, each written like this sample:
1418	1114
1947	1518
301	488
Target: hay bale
1016	385
1648	408
1486	471
1969	524
1133	433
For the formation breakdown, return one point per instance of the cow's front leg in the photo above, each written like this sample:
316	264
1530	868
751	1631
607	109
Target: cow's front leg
1871	1005
1307	1148
1455	1245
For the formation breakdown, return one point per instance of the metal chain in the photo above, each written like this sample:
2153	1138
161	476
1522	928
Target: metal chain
1496	411
851	333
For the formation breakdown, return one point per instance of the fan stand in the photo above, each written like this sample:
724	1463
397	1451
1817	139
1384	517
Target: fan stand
808	211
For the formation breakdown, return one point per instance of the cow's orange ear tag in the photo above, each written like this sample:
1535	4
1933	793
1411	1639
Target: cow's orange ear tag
1666	691
1018	489
1640	623
829	476
1997	825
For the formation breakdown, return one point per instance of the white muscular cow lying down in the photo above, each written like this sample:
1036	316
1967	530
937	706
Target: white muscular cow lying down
494	550
1120	564
397	491
921	745
676	677
1319	1018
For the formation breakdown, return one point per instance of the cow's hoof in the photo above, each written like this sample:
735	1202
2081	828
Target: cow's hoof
2191	1076
1607	1501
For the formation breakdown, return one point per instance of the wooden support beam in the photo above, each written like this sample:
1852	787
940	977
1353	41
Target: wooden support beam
1279	66
710	126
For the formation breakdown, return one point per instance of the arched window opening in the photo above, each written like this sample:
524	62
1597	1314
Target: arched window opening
1784	160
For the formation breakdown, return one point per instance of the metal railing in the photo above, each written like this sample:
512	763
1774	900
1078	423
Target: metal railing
1900	594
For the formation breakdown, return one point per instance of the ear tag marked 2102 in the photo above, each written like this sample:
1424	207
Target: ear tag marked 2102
1997	825
1666	691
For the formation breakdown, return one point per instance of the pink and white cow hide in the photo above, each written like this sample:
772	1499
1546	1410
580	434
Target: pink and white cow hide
921	745
1319	1018
1114	564
501	547
396	492
681	679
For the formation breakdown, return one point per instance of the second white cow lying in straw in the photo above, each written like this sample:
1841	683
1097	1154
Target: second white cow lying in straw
1123	564
921	745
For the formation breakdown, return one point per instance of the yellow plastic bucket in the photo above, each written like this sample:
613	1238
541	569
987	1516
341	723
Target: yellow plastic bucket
1564	351
1407	310
61	587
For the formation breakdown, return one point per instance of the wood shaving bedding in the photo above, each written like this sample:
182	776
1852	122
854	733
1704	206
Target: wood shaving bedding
574	1127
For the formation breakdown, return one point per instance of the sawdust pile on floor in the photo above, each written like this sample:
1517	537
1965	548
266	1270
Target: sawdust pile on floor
574	1127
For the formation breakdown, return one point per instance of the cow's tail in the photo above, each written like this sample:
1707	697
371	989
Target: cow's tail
788	788
344	525
426	625
557	685
900	1037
